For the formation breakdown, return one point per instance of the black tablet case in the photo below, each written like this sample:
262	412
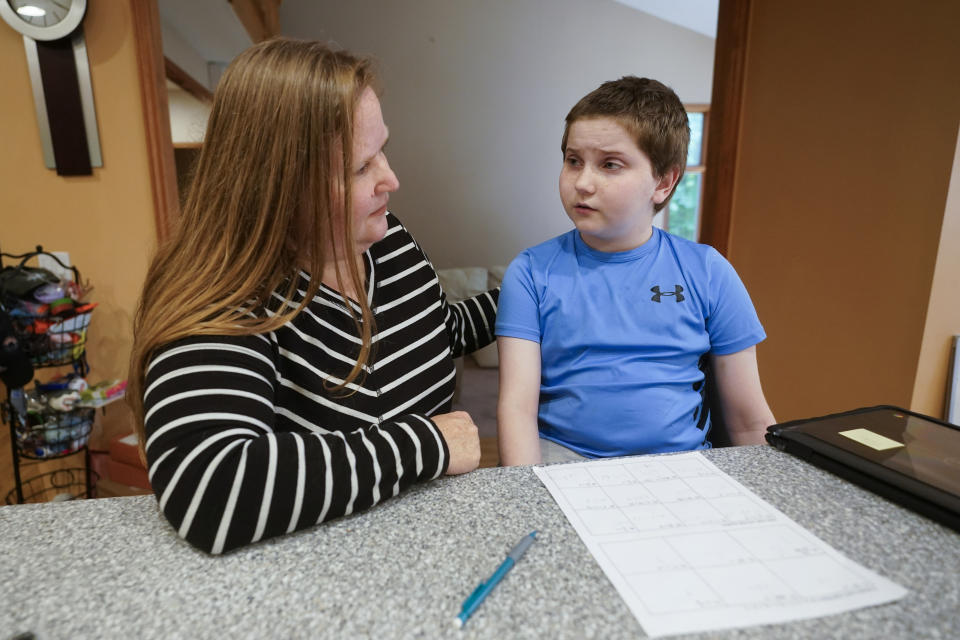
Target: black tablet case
913	494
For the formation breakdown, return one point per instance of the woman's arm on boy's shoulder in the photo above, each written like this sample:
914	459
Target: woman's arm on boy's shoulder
517	433
745	410
470	322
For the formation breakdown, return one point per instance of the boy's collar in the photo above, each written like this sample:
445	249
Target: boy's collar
618	256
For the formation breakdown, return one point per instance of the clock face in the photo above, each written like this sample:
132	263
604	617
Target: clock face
41	13
43	19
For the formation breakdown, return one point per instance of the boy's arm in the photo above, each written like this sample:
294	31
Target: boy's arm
745	410
517	434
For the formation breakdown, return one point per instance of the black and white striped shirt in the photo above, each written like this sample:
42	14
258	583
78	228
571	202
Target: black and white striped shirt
244	439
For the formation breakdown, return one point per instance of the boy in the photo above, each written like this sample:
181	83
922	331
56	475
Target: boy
602	331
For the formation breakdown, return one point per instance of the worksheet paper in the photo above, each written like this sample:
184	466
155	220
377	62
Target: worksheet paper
690	549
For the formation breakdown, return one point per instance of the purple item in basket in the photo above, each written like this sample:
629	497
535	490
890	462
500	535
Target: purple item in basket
49	292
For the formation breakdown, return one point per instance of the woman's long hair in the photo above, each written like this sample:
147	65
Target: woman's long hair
270	195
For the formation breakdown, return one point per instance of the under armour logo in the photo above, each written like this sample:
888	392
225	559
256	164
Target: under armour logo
678	292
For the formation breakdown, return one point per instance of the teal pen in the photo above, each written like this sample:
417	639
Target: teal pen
481	592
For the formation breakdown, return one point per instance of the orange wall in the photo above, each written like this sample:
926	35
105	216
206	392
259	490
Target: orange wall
847	141
104	221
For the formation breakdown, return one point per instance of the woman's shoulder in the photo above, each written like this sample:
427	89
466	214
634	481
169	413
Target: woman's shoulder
395	228
249	351
398	242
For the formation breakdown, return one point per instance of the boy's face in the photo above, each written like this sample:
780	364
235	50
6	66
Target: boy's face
607	185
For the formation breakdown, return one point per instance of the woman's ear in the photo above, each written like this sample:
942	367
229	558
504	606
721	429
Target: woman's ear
665	184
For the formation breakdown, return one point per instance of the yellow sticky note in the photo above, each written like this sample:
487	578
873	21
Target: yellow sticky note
871	439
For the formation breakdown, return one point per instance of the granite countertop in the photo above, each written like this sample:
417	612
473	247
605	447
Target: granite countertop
114	568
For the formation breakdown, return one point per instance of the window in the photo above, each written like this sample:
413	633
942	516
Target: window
682	215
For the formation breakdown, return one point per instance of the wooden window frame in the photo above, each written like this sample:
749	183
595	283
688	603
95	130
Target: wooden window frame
186	82
156	114
729	71
705	110
699	168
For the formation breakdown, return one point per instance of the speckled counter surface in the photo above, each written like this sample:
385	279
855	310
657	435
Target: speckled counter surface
114	568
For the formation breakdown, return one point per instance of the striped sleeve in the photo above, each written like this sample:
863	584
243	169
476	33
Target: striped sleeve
225	475
470	323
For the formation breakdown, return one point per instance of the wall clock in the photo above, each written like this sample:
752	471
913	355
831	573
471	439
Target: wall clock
60	76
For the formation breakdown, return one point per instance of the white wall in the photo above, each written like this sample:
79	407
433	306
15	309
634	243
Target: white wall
188	115
475	96
182	53
202	36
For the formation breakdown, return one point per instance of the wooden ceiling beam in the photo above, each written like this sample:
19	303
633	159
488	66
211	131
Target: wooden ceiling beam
260	18
186	82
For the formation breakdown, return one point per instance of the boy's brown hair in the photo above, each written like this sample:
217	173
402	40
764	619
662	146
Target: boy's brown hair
650	111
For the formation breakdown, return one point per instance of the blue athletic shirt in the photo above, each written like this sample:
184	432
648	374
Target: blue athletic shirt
621	337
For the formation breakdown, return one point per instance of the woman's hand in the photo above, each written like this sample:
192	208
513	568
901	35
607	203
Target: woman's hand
463	441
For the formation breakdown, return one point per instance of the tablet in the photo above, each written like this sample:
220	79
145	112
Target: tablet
907	457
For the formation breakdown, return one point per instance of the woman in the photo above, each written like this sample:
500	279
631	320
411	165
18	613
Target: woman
292	356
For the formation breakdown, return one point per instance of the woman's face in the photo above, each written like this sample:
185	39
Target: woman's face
373	180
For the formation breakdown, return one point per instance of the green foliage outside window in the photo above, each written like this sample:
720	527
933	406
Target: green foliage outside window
684	207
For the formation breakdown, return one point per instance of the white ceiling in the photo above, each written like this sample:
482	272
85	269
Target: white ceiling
213	30
696	15
210	26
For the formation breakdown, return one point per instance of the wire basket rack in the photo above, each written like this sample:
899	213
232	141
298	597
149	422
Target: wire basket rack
43	433
52	333
50	320
53	341
54	486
